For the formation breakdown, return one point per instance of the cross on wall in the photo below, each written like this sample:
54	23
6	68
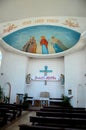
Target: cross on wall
45	71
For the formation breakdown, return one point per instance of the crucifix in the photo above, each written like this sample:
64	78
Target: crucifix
45	71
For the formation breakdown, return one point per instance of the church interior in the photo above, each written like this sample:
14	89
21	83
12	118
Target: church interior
43	64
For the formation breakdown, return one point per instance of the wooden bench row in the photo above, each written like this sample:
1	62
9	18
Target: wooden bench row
31	127
15	107
3	116
73	118
63	110
9	112
57	118
65	107
60	114
59	122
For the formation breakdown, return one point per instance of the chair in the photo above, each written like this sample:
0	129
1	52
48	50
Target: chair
44	98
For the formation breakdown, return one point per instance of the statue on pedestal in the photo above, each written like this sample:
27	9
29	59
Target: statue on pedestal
28	78
62	79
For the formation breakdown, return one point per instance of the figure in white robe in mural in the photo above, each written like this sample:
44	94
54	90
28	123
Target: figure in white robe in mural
57	45
44	44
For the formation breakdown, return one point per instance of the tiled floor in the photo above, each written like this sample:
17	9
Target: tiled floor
24	119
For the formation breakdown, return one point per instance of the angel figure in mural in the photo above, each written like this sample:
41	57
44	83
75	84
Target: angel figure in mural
57	45
44	44
30	46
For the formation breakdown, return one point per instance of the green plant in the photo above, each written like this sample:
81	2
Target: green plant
25	96
66	101
25	102
6	99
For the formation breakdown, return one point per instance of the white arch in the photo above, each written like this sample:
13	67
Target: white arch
7	90
0	57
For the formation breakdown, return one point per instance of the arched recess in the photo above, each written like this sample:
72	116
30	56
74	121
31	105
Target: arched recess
0	57
7	91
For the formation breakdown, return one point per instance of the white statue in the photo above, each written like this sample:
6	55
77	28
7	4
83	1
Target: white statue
28	78
62	79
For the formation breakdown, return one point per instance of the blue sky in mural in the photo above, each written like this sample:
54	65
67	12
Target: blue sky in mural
58	39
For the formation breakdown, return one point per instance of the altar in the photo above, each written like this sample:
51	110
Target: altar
40	102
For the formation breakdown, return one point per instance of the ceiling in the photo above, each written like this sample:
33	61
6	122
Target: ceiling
19	9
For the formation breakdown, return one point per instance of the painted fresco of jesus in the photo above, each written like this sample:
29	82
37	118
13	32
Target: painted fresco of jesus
44	44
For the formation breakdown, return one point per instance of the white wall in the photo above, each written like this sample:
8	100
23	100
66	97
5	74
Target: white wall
73	66
75	69
14	71
54	87
18	9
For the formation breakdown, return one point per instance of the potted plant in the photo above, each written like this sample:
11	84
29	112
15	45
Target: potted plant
25	102
6	99
66	101
25	96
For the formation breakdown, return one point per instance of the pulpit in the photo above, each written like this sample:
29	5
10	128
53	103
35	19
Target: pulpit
19	98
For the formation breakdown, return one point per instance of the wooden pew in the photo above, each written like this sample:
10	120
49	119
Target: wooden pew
19	109
60	114
59	122
3	116
31	127
16	109
11	113
62	107
62	110
34	127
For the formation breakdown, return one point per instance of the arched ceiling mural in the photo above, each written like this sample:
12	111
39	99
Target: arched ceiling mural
43	36
43	39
